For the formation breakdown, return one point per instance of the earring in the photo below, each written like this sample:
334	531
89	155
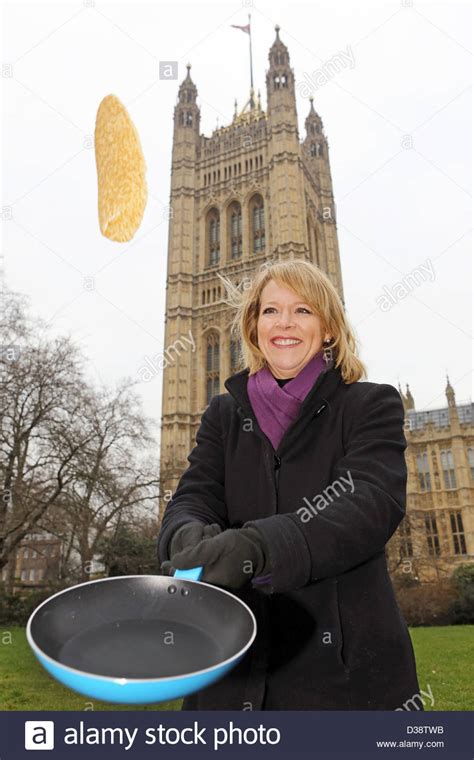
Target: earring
327	355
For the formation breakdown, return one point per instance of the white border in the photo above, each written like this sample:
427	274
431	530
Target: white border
122	680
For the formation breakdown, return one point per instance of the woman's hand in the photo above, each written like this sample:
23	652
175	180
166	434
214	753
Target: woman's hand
190	535
231	558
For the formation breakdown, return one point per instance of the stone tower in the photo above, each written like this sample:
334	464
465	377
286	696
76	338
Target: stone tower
249	193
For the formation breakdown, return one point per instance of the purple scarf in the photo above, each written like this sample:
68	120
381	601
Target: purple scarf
276	407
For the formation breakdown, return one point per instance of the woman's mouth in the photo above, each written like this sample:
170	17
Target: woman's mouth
285	342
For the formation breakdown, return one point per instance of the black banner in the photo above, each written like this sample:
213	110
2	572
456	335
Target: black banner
279	734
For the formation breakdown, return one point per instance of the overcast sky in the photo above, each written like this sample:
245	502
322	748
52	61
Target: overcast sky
398	120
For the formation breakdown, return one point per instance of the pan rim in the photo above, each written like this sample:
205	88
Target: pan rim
122	680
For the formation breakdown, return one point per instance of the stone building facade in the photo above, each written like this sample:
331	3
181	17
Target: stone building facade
438	532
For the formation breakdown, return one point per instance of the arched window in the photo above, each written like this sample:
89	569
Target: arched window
470	458
234	355
213	237
212	366
449	473
406	544
257	218
235	230
279	81
457	530
432	535
423	469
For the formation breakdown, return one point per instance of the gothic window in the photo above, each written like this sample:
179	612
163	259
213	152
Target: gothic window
257	217
235	230
213	237
447	464
212	366
189	119
432	537
234	355
279	81
406	545
423	468
457	530
470	457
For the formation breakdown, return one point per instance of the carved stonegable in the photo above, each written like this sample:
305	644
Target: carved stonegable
251	192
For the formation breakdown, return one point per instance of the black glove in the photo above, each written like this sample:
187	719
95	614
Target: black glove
188	535
231	558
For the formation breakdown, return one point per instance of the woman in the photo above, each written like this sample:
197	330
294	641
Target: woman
295	485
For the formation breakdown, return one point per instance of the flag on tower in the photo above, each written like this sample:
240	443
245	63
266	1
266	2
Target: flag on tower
245	28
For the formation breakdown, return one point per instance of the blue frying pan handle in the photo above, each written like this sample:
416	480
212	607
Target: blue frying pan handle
193	574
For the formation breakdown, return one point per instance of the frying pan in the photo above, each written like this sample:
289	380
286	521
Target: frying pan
138	639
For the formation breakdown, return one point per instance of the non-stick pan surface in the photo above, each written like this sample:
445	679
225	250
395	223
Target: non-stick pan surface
140	638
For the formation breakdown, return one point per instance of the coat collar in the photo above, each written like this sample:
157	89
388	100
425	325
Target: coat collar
324	388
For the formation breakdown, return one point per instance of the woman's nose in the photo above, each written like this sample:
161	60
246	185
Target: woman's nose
284	319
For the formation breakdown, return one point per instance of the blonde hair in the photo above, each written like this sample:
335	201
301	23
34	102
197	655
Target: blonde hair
316	289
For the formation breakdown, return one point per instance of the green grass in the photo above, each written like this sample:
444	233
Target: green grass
443	655
445	665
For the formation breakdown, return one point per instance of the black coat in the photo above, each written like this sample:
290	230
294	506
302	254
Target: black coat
330	632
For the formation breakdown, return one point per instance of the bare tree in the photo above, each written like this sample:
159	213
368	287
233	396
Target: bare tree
41	388
74	460
113	477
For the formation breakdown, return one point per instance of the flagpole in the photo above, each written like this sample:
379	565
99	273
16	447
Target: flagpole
251	65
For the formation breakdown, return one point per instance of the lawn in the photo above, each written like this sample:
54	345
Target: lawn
443	655
445	665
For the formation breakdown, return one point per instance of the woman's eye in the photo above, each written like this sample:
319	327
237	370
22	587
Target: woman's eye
272	308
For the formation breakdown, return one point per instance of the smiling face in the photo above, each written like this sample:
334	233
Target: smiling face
289	332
